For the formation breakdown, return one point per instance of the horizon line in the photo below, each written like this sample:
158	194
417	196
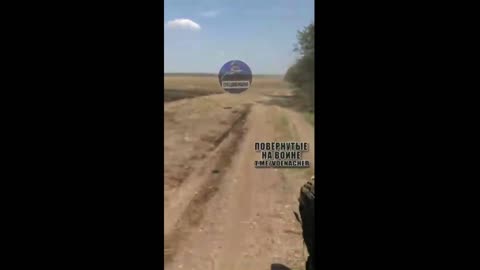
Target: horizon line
216	73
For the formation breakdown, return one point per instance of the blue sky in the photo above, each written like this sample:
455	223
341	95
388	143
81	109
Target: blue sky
202	35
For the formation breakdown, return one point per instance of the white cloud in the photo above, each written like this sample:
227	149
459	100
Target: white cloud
210	14
183	24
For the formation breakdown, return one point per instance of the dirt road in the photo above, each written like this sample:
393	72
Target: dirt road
221	212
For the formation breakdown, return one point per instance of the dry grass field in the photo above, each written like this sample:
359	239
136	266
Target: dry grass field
189	86
179	87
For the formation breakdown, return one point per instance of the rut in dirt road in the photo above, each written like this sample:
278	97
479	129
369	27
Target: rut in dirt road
242	217
193	213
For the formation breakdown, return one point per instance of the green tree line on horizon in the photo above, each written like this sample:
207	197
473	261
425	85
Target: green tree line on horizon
302	73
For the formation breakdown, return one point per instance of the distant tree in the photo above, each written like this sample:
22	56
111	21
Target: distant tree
306	41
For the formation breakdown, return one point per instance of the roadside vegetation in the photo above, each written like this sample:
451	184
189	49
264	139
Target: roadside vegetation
310	117
302	74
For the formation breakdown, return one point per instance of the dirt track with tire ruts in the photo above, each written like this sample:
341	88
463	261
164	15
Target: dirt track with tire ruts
220	211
